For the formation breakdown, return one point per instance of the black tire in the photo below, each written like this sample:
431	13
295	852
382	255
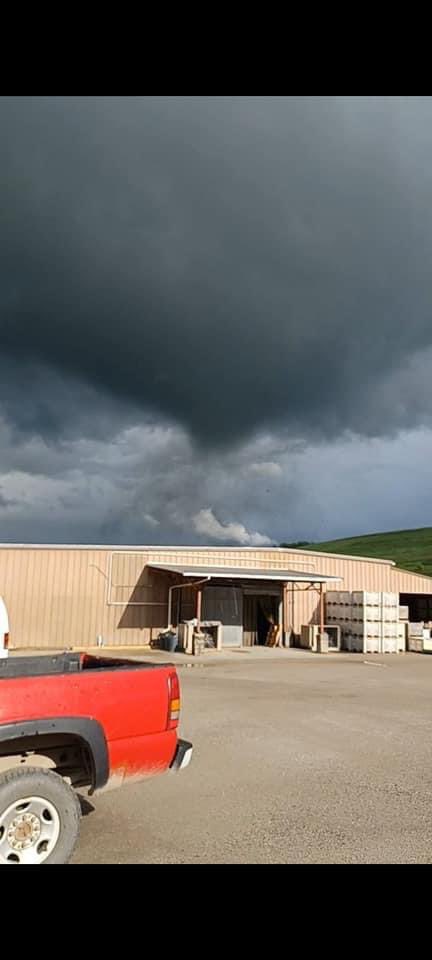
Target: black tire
25	782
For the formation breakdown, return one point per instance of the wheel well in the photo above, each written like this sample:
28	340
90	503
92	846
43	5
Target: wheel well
66	754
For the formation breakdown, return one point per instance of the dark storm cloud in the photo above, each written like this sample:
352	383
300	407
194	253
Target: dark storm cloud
5	502
36	399
226	263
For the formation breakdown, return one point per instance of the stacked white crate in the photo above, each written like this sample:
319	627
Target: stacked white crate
339	612
369	621
376	622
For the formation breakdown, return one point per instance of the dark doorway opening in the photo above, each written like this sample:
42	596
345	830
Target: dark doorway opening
419	606
260	612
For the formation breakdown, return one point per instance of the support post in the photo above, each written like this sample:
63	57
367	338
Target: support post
322	645
285	615
198	609
321	608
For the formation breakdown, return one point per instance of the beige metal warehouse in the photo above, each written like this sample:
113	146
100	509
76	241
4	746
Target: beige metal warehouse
64	596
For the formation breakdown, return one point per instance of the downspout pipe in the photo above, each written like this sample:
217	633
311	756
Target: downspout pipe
181	586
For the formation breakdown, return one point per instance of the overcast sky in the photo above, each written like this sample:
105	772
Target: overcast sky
215	318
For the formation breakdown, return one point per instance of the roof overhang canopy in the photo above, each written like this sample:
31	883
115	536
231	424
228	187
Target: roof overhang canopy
243	573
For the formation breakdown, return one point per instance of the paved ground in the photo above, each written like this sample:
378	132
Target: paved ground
296	761
209	658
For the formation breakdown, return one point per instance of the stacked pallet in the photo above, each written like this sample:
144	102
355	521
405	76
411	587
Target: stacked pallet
309	636
420	637
369	621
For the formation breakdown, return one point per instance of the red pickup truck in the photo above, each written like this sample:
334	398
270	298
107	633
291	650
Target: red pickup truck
74	721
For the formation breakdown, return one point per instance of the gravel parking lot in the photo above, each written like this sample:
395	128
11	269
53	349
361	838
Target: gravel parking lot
316	761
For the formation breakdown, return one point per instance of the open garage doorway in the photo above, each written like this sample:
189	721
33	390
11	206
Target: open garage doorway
419	606
260	611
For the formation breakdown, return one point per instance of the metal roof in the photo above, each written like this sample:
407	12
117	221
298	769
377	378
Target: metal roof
242	573
164	548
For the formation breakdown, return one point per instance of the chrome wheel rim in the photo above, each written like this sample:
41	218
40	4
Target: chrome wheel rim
29	831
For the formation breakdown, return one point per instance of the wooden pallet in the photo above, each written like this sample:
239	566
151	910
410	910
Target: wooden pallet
273	636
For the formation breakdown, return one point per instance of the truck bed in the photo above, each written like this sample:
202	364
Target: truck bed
126	711
15	667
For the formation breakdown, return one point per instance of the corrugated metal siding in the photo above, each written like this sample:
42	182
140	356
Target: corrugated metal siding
58	598
64	597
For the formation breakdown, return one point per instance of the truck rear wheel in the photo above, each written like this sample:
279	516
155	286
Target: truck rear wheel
39	817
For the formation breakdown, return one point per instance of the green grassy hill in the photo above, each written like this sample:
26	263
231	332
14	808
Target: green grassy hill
410	549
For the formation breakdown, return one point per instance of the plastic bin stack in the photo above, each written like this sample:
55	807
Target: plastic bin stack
369	622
